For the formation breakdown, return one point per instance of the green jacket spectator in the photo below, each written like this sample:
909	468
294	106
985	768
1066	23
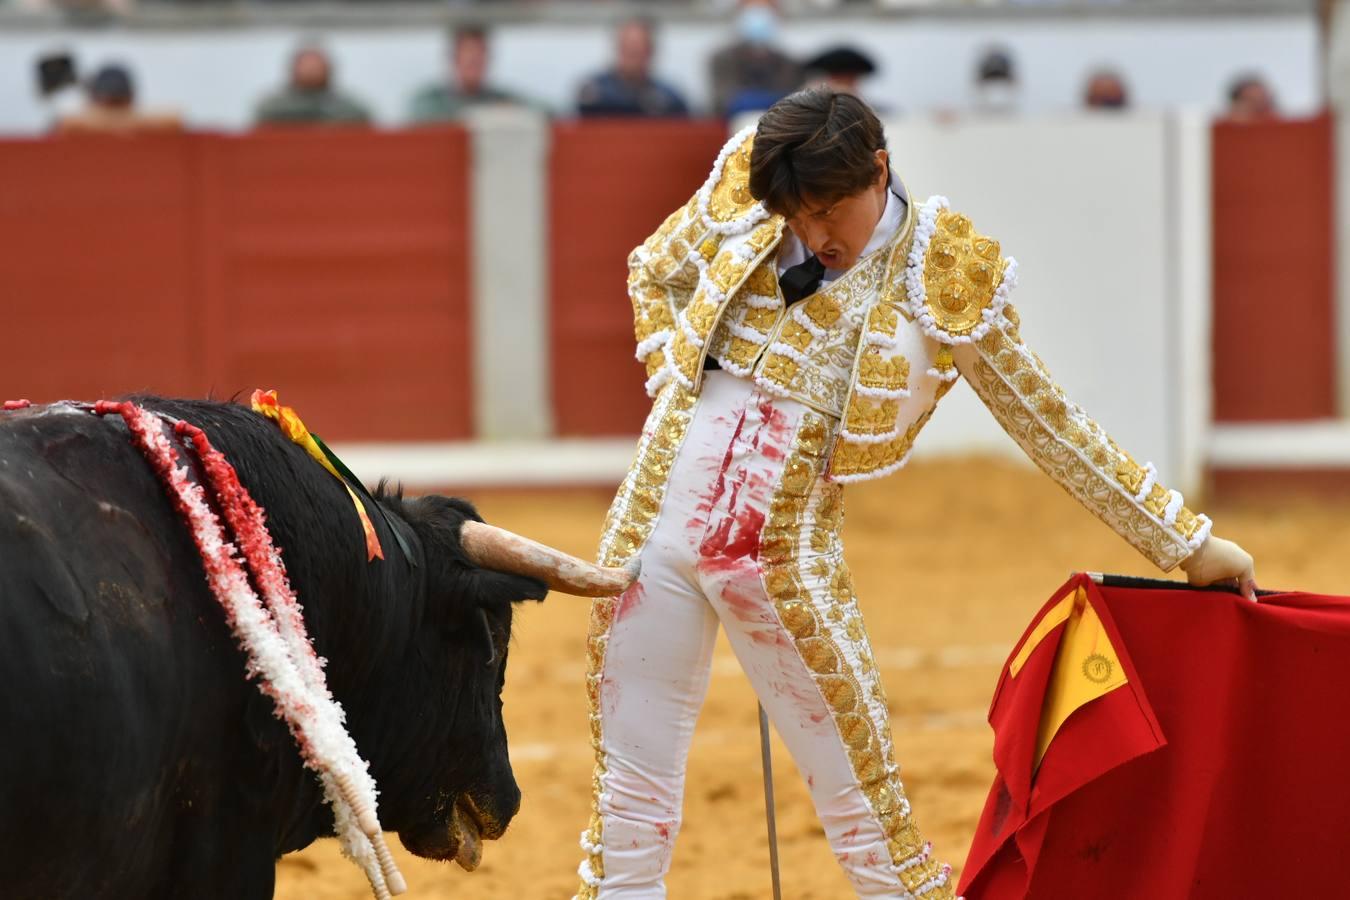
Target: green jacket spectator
309	98
442	103
446	101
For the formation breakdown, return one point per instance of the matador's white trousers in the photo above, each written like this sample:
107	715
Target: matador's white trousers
734	525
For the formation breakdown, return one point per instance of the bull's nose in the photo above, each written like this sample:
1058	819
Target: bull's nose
510	807
494	816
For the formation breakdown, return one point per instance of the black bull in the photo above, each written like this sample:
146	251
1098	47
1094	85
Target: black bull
136	760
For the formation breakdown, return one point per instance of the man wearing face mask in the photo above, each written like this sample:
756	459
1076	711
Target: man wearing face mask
752	74
799	319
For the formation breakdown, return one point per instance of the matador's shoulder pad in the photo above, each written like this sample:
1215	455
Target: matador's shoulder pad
958	278
726	194
724	201
693	235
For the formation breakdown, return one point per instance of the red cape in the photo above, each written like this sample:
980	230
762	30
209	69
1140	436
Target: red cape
1219	768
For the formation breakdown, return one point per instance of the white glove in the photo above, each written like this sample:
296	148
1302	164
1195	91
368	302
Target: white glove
1217	560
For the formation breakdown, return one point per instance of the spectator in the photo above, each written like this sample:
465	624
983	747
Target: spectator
468	86
628	89
309	97
1250	99
752	74
840	68
996	83
1105	90
110	107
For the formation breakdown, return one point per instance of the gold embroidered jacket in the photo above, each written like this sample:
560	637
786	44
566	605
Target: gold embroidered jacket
876	349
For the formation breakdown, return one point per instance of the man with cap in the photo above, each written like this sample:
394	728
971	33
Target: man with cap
996	86
110	106
839	68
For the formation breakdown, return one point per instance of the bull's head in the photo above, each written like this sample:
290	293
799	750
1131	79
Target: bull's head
474	573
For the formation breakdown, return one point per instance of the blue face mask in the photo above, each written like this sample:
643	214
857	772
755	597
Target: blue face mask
758	25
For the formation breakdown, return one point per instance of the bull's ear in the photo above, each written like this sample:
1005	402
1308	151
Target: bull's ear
492	588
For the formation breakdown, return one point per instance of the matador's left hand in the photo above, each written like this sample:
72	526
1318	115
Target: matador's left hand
1218	561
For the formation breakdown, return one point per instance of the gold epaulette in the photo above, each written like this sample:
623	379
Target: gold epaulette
964	283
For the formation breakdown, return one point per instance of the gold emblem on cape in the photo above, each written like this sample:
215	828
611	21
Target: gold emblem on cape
730	197
1097	668
961	271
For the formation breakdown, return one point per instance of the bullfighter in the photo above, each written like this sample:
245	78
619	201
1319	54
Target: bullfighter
799	319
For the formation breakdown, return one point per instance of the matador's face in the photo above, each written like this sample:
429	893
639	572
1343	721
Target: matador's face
836	231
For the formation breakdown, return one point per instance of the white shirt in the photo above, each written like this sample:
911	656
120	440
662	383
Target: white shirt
792	251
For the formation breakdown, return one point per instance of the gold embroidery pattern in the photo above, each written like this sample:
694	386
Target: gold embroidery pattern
872	442
727	272
651	312
860	718
881	457
660	275
875	371
627	526
1073	449
867	415
750	316
961	272
730	197
836	315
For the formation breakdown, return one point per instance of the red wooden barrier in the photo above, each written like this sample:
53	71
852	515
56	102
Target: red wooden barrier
338	271
335	266
611	184
331	265
96	268
1274	280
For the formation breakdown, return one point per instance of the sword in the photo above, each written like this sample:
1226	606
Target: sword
1106	579
766	757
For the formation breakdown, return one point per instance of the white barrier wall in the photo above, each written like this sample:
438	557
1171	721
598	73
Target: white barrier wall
1108	220
215	76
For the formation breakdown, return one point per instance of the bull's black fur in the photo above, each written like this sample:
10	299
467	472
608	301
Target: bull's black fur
136	761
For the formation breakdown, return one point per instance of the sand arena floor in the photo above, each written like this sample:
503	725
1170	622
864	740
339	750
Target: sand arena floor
951	559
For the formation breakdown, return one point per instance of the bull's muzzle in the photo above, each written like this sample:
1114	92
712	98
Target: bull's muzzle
497	548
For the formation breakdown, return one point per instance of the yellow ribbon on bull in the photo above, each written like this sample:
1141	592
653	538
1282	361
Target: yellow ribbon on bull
267	404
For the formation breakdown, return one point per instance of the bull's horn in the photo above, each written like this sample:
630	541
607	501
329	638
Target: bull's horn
497	548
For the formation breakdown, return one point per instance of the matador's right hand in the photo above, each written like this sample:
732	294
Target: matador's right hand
1218	561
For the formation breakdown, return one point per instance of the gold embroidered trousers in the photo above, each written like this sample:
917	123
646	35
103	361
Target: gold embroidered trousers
735	525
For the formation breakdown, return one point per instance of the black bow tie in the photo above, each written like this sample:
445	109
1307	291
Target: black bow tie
802	279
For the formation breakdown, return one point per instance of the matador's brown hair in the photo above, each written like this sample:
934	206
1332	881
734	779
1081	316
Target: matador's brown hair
817	145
